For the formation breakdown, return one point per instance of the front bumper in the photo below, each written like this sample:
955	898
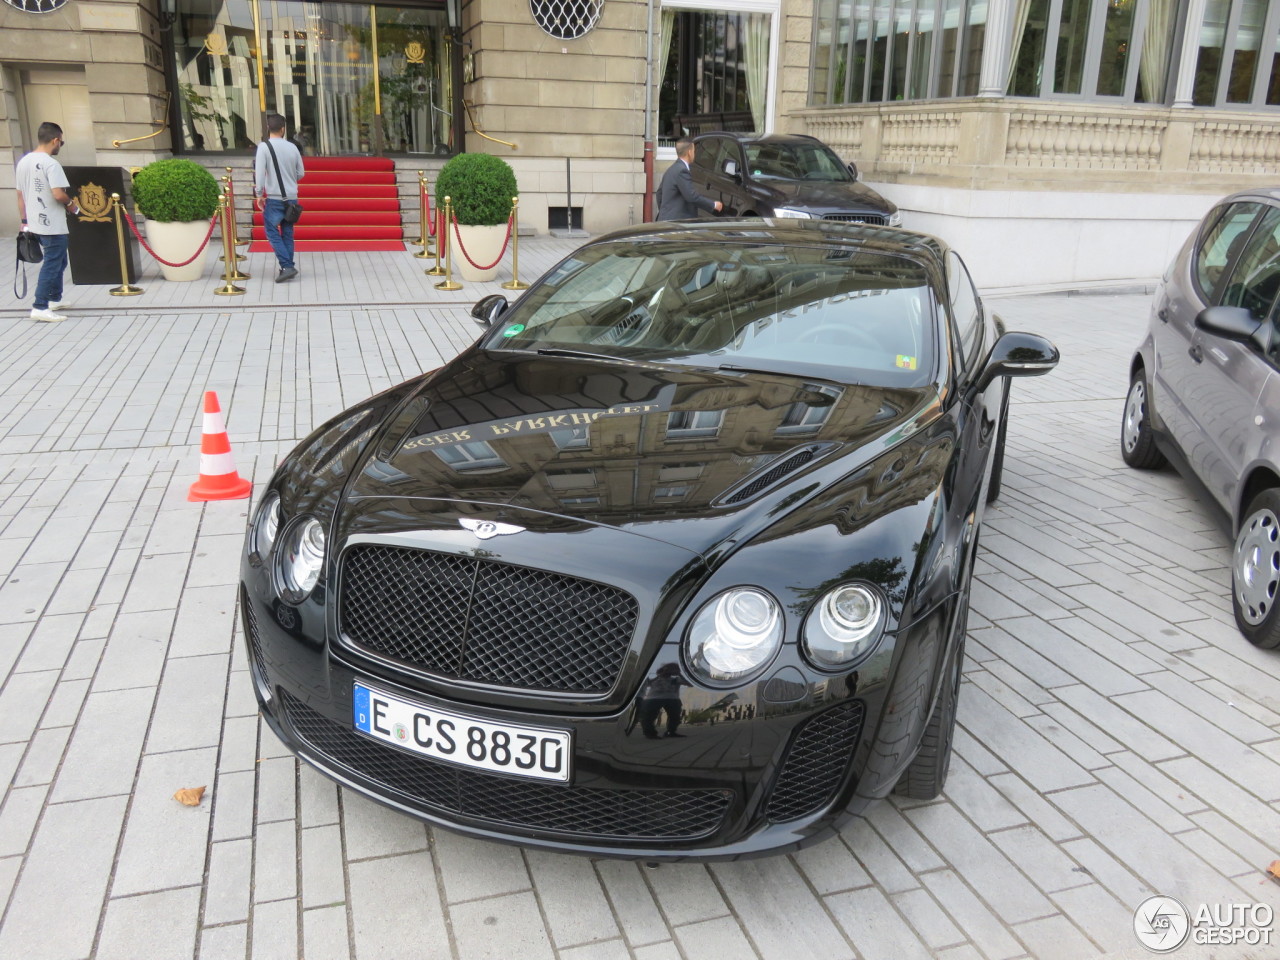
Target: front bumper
780	766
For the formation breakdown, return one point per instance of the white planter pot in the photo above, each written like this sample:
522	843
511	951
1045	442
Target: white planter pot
483	244
176	242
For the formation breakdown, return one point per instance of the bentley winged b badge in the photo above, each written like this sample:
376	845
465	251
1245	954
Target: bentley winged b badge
484	529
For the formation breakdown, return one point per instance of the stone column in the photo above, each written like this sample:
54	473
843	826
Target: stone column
995	49
1184	88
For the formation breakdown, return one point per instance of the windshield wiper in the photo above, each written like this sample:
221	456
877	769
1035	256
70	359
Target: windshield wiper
806	374
565	352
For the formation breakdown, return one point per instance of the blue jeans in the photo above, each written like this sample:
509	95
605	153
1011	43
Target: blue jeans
54	264
279	233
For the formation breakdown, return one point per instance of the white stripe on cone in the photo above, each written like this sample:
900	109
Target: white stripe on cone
213	423
216	464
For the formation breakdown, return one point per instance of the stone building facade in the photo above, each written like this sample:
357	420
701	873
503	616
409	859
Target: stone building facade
1052	141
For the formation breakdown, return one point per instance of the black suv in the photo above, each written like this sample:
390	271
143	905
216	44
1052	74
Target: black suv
784	175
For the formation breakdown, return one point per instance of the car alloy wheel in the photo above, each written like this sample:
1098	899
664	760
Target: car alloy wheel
1137	442
1255	571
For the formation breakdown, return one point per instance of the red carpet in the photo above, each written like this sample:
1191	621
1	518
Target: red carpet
349	203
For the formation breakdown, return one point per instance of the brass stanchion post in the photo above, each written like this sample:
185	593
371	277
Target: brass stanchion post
514	283
231	201
441	240
125	289
231	228
228	289
425	239
448	283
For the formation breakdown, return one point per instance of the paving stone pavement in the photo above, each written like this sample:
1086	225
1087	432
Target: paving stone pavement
1117	738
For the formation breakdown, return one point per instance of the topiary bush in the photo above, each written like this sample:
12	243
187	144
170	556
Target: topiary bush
175	191
481	186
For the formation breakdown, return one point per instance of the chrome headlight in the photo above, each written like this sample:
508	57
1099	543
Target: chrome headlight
302	558
265	526
790	213
734	635
844	626
895	219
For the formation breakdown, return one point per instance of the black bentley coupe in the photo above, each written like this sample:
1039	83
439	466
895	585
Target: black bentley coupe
673	562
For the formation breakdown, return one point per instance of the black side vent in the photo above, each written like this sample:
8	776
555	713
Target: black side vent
778	469
816	762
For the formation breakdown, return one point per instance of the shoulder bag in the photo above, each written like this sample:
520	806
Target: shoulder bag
28	251
292	208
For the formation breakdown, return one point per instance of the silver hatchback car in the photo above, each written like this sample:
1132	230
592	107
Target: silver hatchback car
1204	389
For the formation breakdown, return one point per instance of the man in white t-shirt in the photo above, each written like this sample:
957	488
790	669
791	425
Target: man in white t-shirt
43	205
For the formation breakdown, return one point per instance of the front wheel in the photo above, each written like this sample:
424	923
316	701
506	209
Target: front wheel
927	775
1137	440
1255	571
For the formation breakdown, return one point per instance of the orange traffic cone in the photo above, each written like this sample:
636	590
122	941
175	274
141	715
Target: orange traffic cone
218	477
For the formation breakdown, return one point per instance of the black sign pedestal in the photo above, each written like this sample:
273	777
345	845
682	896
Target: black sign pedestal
92	247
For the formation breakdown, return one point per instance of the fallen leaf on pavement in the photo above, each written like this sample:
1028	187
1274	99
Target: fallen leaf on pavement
189	796
1274	870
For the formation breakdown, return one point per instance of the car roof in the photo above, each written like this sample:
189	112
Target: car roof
890	240
1266	193
760	137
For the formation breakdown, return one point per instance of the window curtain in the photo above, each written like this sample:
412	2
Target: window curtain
1020	14
757	63
666	32
1153	68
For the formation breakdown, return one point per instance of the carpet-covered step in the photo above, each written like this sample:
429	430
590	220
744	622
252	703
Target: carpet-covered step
314	177
343	218
337	232
347	163
370	190
343	204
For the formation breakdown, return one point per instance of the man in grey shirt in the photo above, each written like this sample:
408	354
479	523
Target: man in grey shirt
43	205
275	193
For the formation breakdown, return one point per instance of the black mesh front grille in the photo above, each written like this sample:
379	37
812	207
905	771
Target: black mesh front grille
566	810
771	476
871	218
251	631
485	621
816	762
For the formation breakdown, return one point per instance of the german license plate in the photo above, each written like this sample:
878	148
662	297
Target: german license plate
509	748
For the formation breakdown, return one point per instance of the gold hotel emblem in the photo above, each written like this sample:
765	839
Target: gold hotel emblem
415	52
216	44
94	203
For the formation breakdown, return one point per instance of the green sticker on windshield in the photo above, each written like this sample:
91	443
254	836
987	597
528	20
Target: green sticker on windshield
512	330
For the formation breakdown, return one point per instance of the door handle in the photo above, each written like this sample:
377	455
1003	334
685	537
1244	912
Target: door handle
1196	353
1163	314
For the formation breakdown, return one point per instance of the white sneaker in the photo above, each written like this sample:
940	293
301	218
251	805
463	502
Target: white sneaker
46	316
62	305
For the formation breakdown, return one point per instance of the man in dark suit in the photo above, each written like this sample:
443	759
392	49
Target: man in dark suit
677	199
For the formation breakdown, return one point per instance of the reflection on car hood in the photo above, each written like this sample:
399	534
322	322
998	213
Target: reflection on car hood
822	194
680	455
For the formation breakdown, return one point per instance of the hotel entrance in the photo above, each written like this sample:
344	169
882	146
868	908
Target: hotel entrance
351	79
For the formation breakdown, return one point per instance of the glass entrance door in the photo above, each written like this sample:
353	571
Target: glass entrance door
314	63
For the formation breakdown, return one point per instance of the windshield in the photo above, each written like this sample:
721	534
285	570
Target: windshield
858	316
794	161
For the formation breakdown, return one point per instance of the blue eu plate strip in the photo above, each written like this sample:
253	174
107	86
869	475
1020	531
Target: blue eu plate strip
362	712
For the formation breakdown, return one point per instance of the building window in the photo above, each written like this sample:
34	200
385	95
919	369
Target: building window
867	51
1239	58
572	438
471	457
803	417
671	493
714	67
687	424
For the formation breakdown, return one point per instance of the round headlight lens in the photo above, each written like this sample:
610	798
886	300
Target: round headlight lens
303	557
266	525
734	635
844	626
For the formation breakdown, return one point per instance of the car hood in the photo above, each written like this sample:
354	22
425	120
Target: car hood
828	195
684	456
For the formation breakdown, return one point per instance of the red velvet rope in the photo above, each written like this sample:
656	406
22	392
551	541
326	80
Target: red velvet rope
502	253
200	249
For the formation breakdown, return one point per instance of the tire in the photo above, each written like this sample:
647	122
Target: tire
997	465
1137	441
927	774
1255	571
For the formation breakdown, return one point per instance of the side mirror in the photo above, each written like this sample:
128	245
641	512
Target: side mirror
1018	355
731	169
852	168
488	309
1233	323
